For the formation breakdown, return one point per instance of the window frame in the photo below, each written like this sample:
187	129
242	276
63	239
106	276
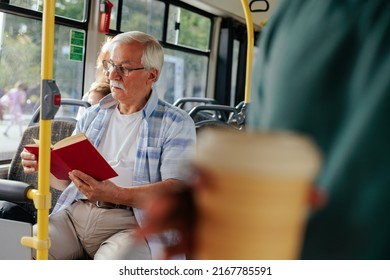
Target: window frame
163	41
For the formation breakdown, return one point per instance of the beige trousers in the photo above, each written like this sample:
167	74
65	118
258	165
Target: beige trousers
84	231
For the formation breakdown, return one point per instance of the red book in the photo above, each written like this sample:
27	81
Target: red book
75	152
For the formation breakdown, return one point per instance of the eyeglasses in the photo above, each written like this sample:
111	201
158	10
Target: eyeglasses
122	71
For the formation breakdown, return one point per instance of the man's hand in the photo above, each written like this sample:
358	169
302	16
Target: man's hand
172	210
29	162
94	190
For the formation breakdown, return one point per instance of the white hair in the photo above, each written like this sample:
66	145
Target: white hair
153	55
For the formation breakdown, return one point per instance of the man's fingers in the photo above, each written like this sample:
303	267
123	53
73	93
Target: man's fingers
76	174
27	156
29	166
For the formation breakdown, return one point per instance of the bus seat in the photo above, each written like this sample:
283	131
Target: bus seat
240	117
187	103
214	114
60	129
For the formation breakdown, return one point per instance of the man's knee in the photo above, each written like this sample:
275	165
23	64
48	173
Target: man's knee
124	246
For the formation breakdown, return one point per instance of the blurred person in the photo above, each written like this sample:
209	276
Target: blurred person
145	140
339	95
16	100
3	104
322	71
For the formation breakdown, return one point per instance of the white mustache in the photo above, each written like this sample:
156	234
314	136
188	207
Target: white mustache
117	84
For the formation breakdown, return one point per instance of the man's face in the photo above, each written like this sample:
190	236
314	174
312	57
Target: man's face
132	87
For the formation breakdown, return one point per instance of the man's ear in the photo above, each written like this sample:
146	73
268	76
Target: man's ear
152	75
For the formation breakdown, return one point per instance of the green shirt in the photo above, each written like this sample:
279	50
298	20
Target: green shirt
323	70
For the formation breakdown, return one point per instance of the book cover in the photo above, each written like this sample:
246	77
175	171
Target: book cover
76	152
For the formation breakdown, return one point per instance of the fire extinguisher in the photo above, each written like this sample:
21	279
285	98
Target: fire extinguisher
105	15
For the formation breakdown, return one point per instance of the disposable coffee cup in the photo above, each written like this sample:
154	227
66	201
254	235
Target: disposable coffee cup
253	203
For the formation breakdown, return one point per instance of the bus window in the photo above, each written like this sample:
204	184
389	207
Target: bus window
74	9
146	16
183	75
20	60
188	29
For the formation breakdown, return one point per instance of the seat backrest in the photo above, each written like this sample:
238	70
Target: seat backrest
216	115
186	103
60	129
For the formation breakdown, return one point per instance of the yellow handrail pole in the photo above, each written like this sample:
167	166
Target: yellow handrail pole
45	130
42	196
250	46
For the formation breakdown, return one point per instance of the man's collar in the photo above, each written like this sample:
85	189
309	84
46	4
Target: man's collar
108	101
150	106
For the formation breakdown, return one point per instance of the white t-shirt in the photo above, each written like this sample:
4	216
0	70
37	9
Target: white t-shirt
118	145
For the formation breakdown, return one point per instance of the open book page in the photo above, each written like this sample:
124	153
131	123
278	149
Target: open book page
66	141
70	140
